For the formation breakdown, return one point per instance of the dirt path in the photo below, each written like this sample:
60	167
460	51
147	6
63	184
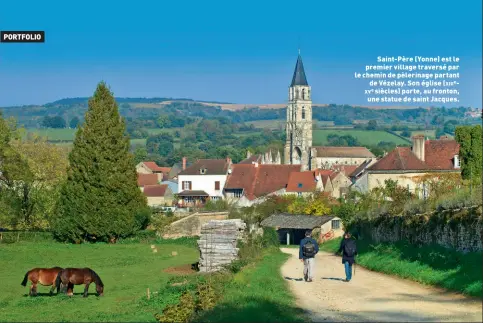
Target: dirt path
372	296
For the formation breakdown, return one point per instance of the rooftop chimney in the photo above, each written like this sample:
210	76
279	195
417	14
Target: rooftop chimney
228	160
418	146
184	163
249	154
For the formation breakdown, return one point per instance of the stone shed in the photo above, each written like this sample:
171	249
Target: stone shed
291	227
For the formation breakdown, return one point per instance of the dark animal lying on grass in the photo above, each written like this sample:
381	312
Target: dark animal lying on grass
44	276
78	276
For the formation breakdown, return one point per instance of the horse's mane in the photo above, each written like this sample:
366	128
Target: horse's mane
97	279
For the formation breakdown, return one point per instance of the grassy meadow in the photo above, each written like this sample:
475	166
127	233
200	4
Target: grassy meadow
127	270
430	265
365	137
257	294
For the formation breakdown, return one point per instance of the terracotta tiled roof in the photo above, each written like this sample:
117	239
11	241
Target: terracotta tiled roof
147	179
439	154
345	169
153	166
341	152
155	190
301	182
325	174
261	180
251	159
401	158
211	167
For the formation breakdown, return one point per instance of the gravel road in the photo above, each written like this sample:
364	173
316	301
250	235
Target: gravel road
372	296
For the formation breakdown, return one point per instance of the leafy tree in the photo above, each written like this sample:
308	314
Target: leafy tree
162	121
439	132
372	125
100	200
470	140
406	133
140	154
162	144
54	122
74	122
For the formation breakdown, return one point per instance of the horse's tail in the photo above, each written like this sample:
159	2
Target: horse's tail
25	279
58	280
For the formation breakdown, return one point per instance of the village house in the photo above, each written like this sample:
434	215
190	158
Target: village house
203	180
248	184
405	165
177	168
291	227
150	167
147	179
304	183
339	183
158	195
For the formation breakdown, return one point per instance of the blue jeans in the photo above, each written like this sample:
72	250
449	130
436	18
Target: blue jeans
348	270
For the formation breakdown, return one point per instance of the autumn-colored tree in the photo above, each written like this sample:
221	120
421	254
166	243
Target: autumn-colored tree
100	200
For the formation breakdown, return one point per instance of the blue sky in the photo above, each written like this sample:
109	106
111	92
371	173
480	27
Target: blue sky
232	51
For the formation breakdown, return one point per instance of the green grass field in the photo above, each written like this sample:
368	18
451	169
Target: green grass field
365	137
257	294
127	270
430	265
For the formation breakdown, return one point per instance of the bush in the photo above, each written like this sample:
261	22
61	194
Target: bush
217	205
181	312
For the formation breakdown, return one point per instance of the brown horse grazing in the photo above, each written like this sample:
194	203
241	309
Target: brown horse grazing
44	276
78	276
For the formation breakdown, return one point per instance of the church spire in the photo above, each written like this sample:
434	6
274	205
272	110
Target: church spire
299	77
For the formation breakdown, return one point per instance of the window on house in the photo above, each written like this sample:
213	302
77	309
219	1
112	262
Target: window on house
303	112
299	194
186	185
238	193
335	224
203	171
457	161
214	198
217	186
299	185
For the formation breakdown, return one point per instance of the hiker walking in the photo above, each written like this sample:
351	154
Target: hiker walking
308	249
349	251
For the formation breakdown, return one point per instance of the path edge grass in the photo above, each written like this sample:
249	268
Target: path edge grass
407	261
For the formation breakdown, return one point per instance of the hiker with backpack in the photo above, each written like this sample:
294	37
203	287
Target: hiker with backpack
349	251
307	251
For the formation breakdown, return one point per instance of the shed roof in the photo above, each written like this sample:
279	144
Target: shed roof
296	221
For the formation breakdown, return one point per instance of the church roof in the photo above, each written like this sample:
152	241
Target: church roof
299	77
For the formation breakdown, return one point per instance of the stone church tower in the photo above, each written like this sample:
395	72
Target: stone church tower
299	120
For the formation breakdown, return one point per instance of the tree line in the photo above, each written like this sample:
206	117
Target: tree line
90	194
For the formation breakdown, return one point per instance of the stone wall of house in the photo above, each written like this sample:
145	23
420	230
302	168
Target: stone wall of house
459	229
191	225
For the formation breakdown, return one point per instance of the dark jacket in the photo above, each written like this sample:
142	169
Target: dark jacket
302	244
345	257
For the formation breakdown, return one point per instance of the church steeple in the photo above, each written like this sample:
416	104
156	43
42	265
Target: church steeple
298	144
299	77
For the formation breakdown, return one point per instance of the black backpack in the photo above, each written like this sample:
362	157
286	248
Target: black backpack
350	248
309	249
